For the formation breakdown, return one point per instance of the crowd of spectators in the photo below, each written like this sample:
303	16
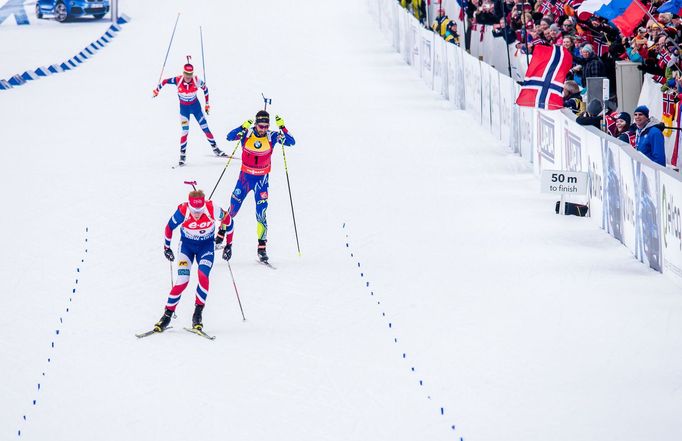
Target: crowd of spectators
595	45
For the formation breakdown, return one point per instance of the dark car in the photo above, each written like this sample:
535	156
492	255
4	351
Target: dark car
62	10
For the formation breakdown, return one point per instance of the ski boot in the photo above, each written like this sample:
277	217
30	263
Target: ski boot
216	150
262	255
196	317
164	321
182	160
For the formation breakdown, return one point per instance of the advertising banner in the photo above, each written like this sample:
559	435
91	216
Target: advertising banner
507	112
453	79
527	132
427	44
472	84
648	216
671	225
415	44
405	33
613	210
459	75
495	106
440	68
595	171
549	151
627	197
573	146
485	96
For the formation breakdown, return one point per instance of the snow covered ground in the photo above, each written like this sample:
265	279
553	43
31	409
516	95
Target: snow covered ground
436	288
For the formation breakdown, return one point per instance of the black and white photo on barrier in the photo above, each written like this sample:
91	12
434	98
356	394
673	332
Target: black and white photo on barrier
613	213
648	245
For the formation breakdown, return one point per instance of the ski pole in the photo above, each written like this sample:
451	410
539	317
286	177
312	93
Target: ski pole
170	265
236	291
286	171
169	46
266	101
224	169
201	36
193	184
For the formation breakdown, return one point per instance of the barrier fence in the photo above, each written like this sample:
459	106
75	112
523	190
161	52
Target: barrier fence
630	197
89	51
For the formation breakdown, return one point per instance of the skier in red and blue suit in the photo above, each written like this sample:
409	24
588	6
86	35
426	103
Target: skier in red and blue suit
188	86
257	147
197	219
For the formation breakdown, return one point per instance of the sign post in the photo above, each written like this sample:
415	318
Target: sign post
563	182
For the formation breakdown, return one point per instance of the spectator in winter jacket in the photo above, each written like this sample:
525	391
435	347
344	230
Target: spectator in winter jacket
624	131
451	35
592	65
440	24
572	98
634	50
593	115
502	30
568	27
649	137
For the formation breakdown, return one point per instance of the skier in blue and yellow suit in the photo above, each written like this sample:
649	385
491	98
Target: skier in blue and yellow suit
257	147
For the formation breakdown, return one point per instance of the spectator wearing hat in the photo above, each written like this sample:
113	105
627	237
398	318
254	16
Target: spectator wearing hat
572	98
589	65
451	34
593	115
648	136
555	34
624	129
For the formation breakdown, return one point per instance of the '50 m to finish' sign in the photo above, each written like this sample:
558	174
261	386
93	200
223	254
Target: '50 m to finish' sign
563	182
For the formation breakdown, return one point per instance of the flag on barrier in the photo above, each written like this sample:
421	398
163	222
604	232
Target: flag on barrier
43	71
4	85
16	80
29	75
544	83
55	68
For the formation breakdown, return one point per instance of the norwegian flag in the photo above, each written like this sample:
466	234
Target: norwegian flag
664	58
611	123
659	79
601	46
668	103
675	156
544	83
546	7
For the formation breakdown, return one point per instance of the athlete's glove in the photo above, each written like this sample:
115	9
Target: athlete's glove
155	93
227	251
168	253
219	237
280	121
247	124
207	108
